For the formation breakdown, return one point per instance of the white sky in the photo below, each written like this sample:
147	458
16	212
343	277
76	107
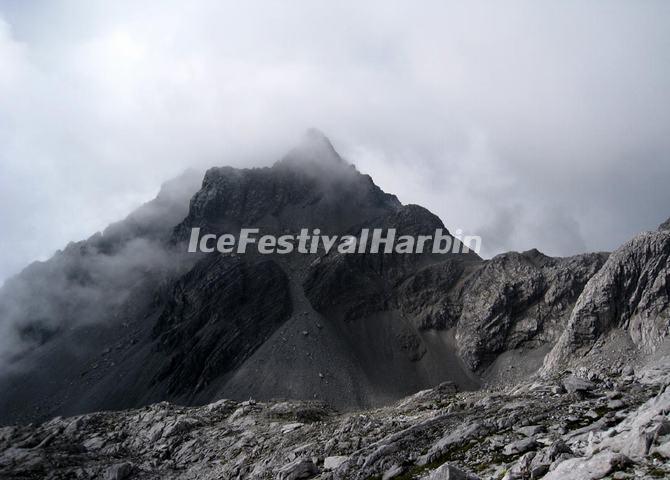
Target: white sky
533	124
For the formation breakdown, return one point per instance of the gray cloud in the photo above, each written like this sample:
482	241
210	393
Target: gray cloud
88	281
538	124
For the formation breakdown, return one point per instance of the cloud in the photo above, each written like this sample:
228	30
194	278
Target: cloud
539	124
87	282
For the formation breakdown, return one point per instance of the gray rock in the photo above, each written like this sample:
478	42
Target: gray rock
593	468
393	472
520	446
334	462
461	434
543	459
663	450
522	468
557	389
120	471
538	283
298	469
615	404
557	448
531	430
573	384
210	443
449	472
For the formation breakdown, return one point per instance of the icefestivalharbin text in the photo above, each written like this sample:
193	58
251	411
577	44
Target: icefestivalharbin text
375	240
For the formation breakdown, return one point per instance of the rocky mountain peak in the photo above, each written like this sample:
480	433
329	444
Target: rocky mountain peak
665	225
310	186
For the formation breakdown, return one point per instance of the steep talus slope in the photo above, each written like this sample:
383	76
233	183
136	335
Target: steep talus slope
630	294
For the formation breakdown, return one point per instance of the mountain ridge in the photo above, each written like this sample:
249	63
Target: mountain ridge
356	331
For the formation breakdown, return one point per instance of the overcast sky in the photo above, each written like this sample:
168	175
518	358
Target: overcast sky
533	124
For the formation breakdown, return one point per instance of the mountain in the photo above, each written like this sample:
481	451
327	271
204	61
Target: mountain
128	317
329	365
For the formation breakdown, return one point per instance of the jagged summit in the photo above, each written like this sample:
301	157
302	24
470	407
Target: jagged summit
310	186
665	225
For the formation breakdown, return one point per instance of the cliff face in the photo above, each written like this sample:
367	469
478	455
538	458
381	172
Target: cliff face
127	318
630	294
216	316
519	300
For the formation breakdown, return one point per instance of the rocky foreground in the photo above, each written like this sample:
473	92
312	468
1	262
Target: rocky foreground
580	425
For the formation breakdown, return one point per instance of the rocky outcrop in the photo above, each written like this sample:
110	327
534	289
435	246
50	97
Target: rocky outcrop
519	300
630	293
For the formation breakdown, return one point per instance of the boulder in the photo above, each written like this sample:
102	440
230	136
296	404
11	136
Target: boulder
449	472
520	446
593	468
334	462
573	384
298	469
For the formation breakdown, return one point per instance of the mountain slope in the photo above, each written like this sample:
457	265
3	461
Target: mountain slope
135	319
629	296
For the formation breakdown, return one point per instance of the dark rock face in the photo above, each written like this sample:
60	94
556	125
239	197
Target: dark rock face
217	315
310	187
665	225
350	286
630	293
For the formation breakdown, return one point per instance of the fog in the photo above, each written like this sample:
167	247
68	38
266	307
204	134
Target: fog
532	124
97	280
